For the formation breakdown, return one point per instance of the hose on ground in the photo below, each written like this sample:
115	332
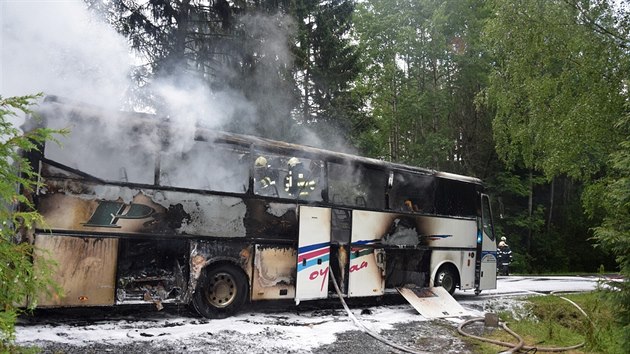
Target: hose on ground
520	345
460	329
515	347
363	328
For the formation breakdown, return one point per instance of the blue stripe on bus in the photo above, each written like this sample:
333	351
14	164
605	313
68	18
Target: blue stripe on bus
314	246
312	262
492	254
365	242
439	236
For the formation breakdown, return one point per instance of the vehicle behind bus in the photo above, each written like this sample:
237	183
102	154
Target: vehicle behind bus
138	210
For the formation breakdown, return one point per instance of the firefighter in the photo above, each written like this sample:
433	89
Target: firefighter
504	257
298	182
264	181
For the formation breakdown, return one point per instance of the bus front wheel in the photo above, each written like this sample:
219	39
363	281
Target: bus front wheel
446	278
221	291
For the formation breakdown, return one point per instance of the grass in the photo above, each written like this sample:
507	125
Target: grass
553	322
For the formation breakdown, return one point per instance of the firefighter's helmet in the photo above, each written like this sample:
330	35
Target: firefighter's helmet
294	161
261	161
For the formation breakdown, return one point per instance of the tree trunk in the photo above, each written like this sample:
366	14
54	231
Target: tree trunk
551	204
177	58
530	210
395	130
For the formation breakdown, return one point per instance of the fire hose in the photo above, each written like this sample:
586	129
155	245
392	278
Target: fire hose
521	345
460	329
363	328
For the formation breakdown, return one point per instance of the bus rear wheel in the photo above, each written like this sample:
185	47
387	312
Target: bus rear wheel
221	291
446	278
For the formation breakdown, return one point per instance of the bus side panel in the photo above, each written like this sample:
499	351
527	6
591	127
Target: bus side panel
488	271
274	273
460	235
448	232
87	207
488	275
86	269
367	273
464	261
313	258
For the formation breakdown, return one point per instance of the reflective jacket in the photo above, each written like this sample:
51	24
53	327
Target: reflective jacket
295	183
504	255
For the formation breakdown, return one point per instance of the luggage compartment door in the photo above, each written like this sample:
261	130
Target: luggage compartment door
86	269
313	257
367	263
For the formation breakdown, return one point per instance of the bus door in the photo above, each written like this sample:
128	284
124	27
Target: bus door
366	273
313	257
486	248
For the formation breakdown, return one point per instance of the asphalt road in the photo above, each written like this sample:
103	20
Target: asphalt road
312	327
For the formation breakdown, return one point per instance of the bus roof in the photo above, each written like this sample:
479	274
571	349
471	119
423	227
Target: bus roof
306	151
265	144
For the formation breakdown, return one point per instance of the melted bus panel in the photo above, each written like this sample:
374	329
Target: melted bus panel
274	273
86	269
139	213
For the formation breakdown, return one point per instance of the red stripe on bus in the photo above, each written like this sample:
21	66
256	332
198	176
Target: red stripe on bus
313	254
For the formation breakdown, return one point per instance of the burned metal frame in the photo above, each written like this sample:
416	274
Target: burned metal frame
158	242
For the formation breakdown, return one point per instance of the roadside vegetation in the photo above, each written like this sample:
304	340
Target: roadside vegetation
20	279
550	321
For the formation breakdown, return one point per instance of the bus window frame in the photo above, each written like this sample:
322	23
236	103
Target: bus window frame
487	221
280	165
214	145
412	188
367	173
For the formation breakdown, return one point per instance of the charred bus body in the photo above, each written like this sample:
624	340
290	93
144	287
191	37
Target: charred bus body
137	211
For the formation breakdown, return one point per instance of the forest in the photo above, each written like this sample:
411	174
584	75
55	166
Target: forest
530	96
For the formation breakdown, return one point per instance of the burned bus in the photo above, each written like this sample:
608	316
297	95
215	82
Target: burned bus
141	210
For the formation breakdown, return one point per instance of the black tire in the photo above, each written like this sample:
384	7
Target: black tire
446	278
221	291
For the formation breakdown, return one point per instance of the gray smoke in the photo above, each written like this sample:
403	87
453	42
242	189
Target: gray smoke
57	47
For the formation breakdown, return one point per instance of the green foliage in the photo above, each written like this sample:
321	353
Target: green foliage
557	88
601	331
423	67
551	321
326	63
613	197
20	280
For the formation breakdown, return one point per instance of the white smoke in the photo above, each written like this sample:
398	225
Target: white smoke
194	105
57	47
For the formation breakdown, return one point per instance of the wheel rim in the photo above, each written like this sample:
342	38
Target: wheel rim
446	281
221	290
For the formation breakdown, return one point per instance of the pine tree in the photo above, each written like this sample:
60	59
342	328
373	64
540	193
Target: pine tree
20	280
